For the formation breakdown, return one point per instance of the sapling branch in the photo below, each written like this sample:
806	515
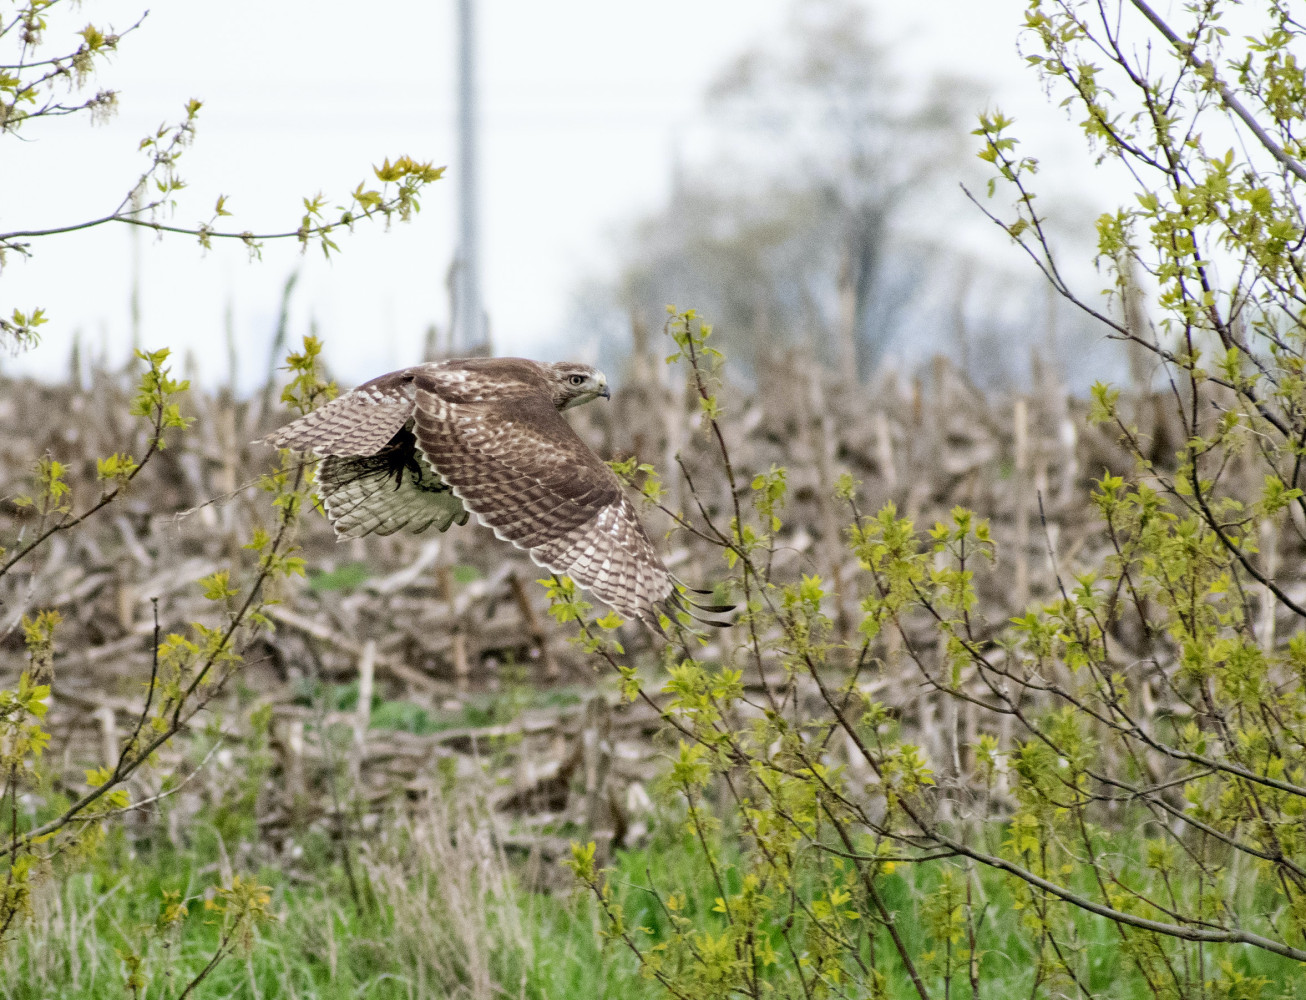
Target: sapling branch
1186	50
68	522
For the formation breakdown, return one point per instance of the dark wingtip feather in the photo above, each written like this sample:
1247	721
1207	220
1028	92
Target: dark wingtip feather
684	604
714	609
682	585
676	604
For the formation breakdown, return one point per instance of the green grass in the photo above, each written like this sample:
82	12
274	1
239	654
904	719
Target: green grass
441	913
474	710
436	919
347	577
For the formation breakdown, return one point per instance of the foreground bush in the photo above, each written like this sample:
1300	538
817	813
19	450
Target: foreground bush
1130	754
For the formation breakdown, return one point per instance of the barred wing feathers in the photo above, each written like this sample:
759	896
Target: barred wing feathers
361	422
514	461
371	478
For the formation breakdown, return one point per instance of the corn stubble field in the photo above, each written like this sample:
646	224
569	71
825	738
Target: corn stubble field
405	760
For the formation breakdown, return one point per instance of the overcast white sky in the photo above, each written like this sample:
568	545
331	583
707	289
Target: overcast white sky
584	104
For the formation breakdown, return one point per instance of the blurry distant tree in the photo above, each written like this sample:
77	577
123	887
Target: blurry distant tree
43	79
786	237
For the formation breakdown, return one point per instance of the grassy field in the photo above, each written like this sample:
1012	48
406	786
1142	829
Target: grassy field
435	910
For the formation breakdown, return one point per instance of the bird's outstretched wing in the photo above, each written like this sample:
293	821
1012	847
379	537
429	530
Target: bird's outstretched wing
515	462
371	478
390	491
360	422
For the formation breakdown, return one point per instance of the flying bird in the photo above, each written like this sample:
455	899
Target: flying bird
429	445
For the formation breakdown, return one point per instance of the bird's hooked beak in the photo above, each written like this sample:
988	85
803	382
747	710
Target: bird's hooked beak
604	391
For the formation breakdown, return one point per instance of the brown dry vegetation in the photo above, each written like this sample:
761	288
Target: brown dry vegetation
446	623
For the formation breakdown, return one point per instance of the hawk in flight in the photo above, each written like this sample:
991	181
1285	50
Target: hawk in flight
430	444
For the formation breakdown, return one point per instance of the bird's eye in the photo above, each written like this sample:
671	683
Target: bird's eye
578	380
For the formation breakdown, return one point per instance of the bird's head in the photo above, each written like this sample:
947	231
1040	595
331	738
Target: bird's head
574	384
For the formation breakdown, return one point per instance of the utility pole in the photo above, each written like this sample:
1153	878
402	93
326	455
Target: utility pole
468	312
